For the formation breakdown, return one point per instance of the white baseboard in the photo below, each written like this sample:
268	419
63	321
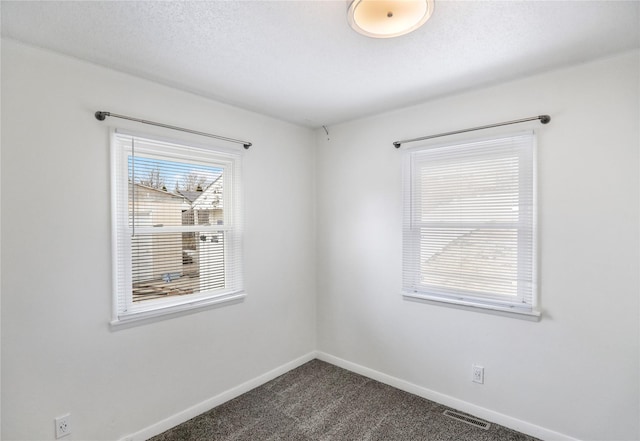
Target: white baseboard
193	411
446	400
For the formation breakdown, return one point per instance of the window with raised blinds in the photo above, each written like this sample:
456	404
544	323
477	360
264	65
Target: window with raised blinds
177	226
469	223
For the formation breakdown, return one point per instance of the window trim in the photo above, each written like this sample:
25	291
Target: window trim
481	303
152	310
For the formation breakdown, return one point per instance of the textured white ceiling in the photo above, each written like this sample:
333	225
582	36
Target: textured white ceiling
300	61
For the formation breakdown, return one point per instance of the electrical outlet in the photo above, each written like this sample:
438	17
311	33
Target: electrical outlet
63	425
478	374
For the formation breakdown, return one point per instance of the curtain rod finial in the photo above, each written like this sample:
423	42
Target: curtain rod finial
396	145
247	145
100	116
544	119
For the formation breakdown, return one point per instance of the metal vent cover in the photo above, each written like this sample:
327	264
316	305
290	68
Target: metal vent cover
475	422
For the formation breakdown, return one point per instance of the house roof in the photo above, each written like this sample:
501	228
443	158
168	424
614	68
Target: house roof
189	195
211	197
206	198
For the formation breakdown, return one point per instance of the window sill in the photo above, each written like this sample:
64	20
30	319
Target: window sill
166	312
503	311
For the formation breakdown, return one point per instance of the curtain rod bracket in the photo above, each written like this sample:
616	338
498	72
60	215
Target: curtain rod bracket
101	116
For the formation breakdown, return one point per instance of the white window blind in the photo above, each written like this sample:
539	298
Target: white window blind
469	223
177	226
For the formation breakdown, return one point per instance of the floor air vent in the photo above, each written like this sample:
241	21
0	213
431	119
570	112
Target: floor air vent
475	422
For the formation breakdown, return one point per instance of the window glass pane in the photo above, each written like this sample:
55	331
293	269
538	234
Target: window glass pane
471	190
176	264
478	261
169	193
165	193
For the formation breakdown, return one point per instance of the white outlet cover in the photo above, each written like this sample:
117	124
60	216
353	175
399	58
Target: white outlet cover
63	425
477	374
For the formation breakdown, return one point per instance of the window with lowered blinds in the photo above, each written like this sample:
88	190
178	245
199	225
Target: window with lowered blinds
469	224
177	226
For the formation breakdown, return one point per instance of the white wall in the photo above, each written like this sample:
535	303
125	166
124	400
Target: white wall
576	372
58	352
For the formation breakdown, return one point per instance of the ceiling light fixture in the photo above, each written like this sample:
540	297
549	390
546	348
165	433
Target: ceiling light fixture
388	18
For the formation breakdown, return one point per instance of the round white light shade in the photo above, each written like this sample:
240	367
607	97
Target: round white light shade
388	18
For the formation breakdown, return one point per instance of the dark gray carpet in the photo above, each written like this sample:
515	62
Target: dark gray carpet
319	401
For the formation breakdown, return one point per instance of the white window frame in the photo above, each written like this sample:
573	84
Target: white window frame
125	311
525	303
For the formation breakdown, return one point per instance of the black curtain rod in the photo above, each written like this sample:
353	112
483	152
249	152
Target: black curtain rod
544	119
101	115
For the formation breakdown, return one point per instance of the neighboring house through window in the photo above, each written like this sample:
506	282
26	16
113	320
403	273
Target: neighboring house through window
469	233
177	226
